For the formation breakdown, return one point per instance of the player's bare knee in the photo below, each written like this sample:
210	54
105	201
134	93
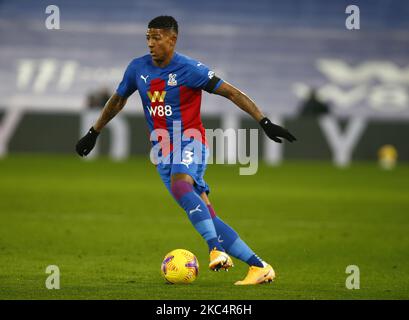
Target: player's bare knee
205	198
181	177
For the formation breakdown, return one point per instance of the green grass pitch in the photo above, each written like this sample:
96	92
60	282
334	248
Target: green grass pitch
108	225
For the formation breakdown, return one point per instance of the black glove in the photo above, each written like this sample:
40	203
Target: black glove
274	132
87	142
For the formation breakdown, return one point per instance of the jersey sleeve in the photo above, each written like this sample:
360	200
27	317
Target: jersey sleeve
201	77
128	84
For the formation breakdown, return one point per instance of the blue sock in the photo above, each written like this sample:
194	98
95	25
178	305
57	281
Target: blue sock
255	261
197	212
232	242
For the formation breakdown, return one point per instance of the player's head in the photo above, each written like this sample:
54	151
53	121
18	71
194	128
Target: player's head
161	37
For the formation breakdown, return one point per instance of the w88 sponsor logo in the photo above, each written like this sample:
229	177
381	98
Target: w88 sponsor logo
160	111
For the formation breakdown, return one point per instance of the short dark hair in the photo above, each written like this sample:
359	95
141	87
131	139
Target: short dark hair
164	22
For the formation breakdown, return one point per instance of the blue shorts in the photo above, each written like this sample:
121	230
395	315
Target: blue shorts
192	161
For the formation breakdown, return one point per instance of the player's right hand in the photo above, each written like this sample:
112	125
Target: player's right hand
87	142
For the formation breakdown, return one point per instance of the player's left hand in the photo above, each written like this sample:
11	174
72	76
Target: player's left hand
275	132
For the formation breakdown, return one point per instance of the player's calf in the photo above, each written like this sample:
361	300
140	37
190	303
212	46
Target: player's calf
197	212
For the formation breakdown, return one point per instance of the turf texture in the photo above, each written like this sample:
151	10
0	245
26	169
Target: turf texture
107	226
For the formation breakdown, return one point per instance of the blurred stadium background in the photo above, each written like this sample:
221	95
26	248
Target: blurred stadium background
274	51
55	82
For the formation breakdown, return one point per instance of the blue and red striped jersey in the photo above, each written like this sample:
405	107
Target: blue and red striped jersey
169	94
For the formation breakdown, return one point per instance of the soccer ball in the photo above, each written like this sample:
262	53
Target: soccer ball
180	266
